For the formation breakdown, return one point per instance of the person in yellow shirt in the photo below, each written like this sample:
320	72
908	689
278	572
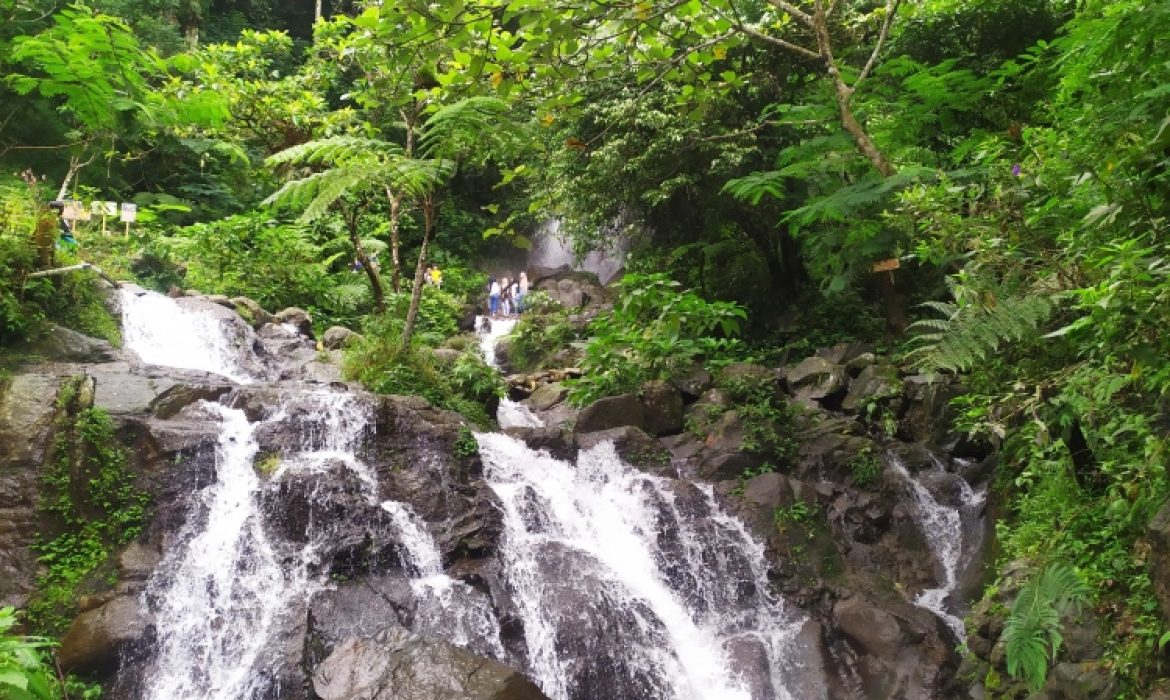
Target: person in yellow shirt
436	277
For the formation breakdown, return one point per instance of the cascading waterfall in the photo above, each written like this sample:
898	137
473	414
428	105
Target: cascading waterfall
220	593
678	585
943	527
162	332
510	414
444	608
676	589
626	585
223	595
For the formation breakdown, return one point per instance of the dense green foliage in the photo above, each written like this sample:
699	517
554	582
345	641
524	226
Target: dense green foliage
655	331
24	673
1032	634
1012	157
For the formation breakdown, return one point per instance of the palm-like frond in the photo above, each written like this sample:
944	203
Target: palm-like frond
455	128
1033	626
961	336
315	193
335	150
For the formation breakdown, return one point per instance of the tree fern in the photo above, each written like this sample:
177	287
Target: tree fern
965	333
1032	635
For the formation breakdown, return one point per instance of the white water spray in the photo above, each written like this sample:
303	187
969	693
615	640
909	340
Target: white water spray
444	607
942	525
163	332
677	590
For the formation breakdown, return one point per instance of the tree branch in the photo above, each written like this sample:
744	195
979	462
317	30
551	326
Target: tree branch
891	10
798	14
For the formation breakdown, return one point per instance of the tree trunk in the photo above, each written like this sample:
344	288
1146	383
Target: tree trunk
317	12
359	254
844	95
395	222
428	209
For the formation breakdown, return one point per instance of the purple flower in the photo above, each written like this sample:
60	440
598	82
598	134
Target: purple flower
1016	169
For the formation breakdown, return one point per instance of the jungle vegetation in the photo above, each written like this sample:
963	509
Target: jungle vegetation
1012	157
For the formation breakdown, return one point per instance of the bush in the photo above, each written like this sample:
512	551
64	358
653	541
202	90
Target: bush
539	334
383	366
252	255
654	330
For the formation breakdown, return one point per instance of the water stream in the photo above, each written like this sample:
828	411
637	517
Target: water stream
944	527
631	585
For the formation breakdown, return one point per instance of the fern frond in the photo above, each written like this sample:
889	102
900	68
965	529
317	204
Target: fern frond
1031	634
455	127
334	151
965	335
317	192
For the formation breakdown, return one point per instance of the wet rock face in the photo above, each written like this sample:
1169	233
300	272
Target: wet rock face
396	666
26	412
611	412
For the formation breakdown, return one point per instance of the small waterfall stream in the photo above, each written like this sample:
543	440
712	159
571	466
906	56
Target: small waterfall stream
164	332
944	527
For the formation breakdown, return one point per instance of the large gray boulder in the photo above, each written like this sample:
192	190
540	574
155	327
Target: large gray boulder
98	638
297	318
611	412
662	408
397	666
817	379
61	344
337	337
876	383
26	412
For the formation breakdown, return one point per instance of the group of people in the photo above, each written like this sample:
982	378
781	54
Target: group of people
506	296
433	276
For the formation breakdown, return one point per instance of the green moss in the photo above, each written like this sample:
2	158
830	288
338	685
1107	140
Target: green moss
266	464
87	491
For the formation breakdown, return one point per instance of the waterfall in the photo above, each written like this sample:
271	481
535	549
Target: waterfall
550	249
444	608
221	593
224	594
621	584
943	527
631	585
674	585
163	332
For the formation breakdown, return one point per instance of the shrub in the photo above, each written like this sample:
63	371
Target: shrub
654	330
384	366
24	672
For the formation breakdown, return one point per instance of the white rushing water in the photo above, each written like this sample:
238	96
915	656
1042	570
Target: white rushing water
444	607
551	249
944	528
222	591
224	594
163	332
678	587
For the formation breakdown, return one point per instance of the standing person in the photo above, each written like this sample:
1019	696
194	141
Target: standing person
514	296
523	292
436	277
493	297
427	275
505	300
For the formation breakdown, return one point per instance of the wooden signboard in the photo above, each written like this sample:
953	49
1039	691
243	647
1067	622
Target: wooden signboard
74	211
886	265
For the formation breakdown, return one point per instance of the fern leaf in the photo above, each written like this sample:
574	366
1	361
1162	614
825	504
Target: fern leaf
961	336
